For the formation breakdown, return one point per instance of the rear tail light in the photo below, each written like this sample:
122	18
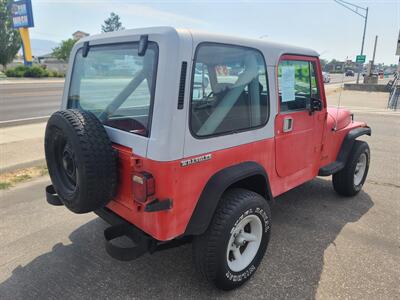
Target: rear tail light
142	186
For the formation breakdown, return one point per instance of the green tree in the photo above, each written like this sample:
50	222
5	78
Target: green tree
112	23
64	49
323	62
10	39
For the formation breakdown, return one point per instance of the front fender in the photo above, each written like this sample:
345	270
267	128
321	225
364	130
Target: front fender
344	151
348	142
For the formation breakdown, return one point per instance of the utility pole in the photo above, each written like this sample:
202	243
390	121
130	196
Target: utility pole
356	9
398	53
373	56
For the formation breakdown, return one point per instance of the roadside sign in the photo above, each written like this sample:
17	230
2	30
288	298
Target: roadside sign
22	17
21	12
360	58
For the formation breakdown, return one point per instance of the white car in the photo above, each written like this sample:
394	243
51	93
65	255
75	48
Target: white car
327	77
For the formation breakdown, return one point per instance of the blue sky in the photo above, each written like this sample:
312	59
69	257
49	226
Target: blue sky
322	25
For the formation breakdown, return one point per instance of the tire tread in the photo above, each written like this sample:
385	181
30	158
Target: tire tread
98	157
343	180
205	246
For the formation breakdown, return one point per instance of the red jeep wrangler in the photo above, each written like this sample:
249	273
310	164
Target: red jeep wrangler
176	135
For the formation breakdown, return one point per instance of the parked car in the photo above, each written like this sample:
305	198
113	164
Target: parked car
166	169
349	73
326	76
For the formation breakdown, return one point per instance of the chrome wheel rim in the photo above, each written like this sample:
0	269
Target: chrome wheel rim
244	243
359	171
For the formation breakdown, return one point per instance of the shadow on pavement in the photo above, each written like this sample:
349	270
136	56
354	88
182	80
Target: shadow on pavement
305	222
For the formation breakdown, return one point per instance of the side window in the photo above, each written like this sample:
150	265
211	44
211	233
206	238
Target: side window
297	84
229	90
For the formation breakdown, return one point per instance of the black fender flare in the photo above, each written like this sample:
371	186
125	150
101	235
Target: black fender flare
348	142
344	151
216	186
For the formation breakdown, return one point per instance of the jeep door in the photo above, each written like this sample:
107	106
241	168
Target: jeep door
299	128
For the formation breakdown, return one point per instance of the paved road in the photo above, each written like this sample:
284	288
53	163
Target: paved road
322	246
31	100
339	78
28	100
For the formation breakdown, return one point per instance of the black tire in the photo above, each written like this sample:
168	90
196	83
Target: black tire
344	180
81	161
210	249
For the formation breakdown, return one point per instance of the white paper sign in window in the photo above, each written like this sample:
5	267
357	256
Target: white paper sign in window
287	83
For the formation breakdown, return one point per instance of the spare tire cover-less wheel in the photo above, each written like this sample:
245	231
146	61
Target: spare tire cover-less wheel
81	160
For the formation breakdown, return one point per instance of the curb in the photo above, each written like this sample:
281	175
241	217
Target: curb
370	87
8	80
29	164
10	123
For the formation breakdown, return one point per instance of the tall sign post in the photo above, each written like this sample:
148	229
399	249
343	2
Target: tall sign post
21	12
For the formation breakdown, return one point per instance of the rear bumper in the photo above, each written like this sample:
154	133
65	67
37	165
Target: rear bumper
141	242
110	217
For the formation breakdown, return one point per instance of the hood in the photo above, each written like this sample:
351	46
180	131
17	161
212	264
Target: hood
338	117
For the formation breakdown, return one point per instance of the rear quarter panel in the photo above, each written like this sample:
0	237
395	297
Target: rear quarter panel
182	184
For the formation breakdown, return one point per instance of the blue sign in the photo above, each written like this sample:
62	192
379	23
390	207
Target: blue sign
21	12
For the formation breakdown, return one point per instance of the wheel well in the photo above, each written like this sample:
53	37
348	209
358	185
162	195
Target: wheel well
255	183
248	175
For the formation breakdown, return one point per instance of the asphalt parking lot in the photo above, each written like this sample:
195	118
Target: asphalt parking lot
322	246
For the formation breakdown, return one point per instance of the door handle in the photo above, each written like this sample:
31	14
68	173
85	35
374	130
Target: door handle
287	124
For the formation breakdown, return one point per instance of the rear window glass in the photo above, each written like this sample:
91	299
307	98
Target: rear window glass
116	84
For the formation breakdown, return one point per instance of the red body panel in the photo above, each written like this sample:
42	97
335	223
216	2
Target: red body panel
299	150
295	149
184	184
290	159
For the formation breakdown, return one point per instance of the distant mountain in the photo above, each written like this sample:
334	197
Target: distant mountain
41	47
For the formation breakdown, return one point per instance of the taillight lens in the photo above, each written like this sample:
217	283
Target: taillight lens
142	186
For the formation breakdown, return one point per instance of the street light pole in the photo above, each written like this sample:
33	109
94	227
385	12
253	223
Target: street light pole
355	9
363	39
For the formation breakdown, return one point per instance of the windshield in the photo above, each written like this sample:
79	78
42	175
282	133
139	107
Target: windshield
116	84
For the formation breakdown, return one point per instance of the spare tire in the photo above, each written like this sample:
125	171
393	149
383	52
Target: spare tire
81	160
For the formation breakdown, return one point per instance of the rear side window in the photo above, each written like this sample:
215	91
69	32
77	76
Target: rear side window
297	84
229	90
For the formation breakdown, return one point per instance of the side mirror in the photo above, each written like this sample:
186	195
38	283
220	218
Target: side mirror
315	105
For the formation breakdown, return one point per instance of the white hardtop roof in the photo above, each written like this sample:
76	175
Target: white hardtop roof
271	50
